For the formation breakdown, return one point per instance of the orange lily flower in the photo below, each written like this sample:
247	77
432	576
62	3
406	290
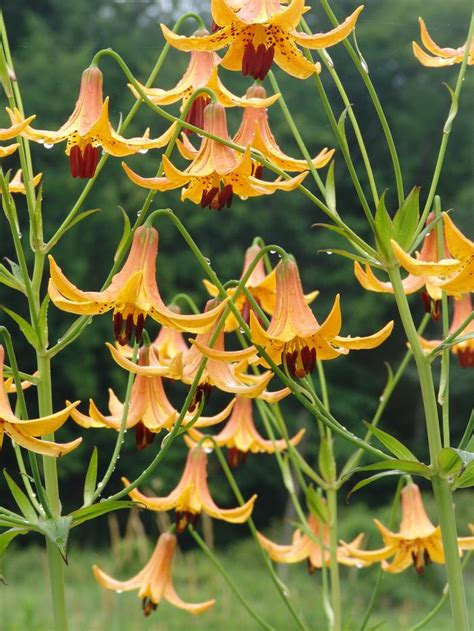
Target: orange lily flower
224	370
440	56
132	294
418	542
149	410
217	172
261	285
295	333
201	73
11	132
16	184
154	581
25	432
240	435
255	131
89	128
259	32
462	308
453	275
304	547
191	496
9	384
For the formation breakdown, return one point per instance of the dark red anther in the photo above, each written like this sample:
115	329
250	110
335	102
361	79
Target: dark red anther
248	59
308	359
215	27
426	557
266	63
235	457
311	568
466	357
431	306
148	606
208	196
139	327
225	197
196	113
83	163
127	334
143	436
203	393
418	562
117	320
258	61
183	519
257	171
291	362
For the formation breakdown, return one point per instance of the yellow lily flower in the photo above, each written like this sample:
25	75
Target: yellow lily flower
25	432
16	184
453	275
201	73
462	308
154	581
192	497
216	173
241	437
440	56
259	32
89	128
11	132
224	370
10	387
133	293
303	547
418	542
255	131
295	333
261	285
149	410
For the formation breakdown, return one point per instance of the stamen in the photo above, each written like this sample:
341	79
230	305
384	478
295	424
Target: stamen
143	436
208	196
256	62
83	163
225	197
203	392
215	27
465	357
311	568
431	306
183	519
267	62
308	359
235	457
257	171
248	59
139	327
148	606
196	113
290	358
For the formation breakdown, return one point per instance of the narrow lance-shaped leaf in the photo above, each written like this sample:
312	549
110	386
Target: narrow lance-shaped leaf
316	505
406	219
91	478
21	499
397	448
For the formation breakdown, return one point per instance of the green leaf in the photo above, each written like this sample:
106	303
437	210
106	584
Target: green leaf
406	219
468	432
449	462
26	328
8	279
21	499
96	510
5	539
406	466
316	504
330	188
16	270
452	111
125	235
373	478
43	317
57	531
341	124
383	228
327	466
82	216
91	478
397	448
466	479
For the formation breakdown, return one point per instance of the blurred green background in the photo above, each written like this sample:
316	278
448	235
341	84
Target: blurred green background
53	41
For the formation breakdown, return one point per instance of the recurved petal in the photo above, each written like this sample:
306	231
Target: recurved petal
173	178
206	42
237	515
370	556
370	341
111	583
8	150
334	36
38	426
331	326
155	503
430	61
459	245
193	608
431	45
44	447
199	323
83	420
293	553
291	59
18	125
424	268
225	356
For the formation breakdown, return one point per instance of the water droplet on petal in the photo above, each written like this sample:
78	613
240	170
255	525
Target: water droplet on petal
143	151
119	591
208	450
48	145
329	252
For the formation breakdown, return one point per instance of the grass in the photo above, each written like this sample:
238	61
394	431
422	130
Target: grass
25	600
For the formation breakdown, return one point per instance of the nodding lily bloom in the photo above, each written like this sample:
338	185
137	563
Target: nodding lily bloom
25	432
464	350
154	581
453	275
149	410
259	32
440	56
418	542
295	335
315	550
224	370
217	172
241	437
255	131
16	184
11	132
88	128
133	294
201	73
261	285
192	497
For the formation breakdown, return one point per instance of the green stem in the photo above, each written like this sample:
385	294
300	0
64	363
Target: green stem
211	556
447	129
442	493
376	102
333	564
